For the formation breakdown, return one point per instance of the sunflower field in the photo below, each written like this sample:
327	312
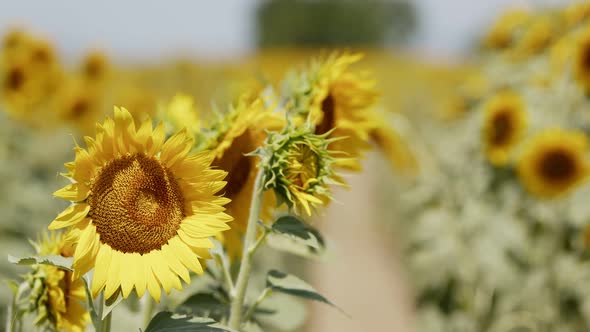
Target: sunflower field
333	179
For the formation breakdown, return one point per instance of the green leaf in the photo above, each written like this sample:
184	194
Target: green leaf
292	285
299	230
13	285
166	321
205	305
55	260
292	235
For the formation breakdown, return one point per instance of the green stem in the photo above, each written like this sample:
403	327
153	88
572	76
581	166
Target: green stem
239	291
225	271
105	326
252	309
149	310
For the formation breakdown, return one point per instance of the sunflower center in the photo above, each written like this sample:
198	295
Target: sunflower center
502	128
557	166
79	108
93	68
136	204
304	166
586	58
236	164
328	121
15	79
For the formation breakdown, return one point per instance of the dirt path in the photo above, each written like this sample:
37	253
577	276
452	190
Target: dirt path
363	274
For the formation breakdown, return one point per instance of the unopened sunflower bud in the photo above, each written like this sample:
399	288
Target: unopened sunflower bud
299	167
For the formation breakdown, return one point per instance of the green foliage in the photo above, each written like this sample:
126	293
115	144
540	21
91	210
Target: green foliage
289	284
58	261
166	321
330	22
293	235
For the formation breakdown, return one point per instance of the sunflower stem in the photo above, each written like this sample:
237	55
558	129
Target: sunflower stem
105	326
225	271
241	285
252	309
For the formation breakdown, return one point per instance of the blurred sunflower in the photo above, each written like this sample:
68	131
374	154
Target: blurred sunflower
61	302
182	112
240	131
339	101
554	162
581	65
501	34
95	67
504	124
537	36
79	104
575	13
142	210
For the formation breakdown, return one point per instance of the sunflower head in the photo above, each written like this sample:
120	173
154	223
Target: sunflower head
505	123
234	134
299	168
554	162
95	67
338	100
79	104
581	65
143	208
538	34
58	299
501	34
575	14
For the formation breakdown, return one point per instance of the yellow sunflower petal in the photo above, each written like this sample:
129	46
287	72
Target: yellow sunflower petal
70	216
99	278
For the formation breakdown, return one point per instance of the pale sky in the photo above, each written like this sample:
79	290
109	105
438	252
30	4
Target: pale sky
146	29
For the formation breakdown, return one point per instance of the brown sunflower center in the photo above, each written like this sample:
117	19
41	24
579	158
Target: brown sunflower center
93	68
136	204
236	164
79	108
329	119
15	79
557	166
502	128
585	58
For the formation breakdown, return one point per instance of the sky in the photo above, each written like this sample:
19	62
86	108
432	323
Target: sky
136	29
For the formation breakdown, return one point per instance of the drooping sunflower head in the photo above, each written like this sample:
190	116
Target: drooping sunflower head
58	298
554	162
299	168
95	67
581	65
234	134
143	209
338	100
505	122
501	34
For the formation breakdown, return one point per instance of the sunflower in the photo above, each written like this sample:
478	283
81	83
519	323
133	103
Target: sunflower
581	65
142	209
79	104
340	102
61	302
299	167
537	36
575	14
505	122
554	162
501	34
238	132
95	67
182	112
